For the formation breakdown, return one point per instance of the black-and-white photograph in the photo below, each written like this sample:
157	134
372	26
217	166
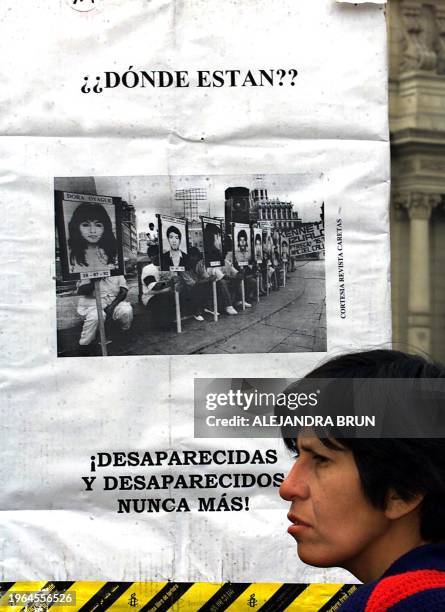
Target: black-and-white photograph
193	264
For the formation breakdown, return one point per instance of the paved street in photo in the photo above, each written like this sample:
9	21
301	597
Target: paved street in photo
291	320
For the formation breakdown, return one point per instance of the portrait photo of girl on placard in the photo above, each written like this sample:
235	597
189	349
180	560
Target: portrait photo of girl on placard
92	243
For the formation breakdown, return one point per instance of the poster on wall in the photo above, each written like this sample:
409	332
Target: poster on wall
103	477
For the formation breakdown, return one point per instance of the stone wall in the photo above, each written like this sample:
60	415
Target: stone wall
416	46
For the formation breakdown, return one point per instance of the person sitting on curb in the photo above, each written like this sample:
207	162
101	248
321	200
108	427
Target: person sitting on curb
195	284
235	275
219	273
113	291
157	293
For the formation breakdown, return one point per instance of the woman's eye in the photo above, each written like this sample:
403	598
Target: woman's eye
320	459
98	225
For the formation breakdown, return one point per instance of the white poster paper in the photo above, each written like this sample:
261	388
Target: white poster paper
147	102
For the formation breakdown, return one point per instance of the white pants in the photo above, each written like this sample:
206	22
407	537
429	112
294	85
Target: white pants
123	314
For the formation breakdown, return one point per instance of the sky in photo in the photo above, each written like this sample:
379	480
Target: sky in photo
156	194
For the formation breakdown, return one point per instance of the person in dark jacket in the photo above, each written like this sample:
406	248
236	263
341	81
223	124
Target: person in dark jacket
373	506
174	257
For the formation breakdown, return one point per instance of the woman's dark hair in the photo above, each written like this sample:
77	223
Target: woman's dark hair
242	234
173	230
407	466
78	245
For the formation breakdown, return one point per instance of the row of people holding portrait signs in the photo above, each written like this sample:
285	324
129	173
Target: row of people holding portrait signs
90	245
248	244
90	239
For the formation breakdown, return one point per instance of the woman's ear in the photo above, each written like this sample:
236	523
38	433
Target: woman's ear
397	507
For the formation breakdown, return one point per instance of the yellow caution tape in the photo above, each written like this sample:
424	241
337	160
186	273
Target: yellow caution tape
175	596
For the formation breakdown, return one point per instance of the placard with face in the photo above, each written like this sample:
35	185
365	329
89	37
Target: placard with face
241	243
212	231
257	244
267	243
89	235
173	243
284	247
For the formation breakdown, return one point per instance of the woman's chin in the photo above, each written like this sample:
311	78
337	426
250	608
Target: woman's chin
315	558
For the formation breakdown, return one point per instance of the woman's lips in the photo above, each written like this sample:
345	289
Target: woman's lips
298	525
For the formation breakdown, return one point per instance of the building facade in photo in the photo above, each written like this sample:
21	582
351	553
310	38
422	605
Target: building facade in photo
129	233
279	214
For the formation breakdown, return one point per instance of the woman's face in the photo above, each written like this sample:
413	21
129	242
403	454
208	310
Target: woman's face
174	241
91	230
331	520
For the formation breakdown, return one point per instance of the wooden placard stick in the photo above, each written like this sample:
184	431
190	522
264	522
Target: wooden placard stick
178	309
215	301
100	317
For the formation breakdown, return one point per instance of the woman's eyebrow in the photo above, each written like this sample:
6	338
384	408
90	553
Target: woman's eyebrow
305	447
324	450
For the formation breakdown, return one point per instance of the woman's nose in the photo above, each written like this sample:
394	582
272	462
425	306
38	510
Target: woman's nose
295	484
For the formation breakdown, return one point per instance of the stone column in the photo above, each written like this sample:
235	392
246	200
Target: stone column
419	207
440	23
